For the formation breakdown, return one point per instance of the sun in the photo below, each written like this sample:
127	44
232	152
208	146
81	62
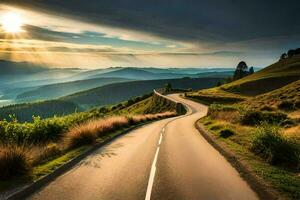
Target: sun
12	22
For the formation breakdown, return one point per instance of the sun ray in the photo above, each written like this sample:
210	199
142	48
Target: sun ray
11	22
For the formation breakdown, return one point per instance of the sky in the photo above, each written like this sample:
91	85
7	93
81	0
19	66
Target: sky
150	33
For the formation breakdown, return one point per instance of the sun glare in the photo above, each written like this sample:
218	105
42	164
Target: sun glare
11	22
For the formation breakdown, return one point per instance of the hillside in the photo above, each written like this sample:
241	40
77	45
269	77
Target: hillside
62	89
44	109
123	91
266	80
101	96
270	78
154	73
285	98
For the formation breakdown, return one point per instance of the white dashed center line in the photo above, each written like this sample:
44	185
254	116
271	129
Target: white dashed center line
153	169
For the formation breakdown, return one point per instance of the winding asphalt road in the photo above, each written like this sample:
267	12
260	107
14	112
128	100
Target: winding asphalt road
166	160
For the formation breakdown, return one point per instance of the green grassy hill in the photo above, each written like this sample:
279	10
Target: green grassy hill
285	98
44	109
268	79
114	93
53	91
146	106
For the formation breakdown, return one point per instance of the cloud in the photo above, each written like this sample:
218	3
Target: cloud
158	33
186	20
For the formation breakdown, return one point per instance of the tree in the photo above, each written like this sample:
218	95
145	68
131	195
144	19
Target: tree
241	70
291	53
168	87
219	83
251	70
283	56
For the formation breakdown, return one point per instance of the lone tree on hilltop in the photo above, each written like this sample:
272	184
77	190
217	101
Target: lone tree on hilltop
241	70
283	56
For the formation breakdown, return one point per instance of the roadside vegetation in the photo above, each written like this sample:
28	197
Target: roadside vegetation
260	141
257	117
29	150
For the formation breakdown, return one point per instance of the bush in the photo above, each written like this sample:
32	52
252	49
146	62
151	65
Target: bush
80	135
269	143
215	127
14	161
225	133
286	105
257	117
267	108
297	104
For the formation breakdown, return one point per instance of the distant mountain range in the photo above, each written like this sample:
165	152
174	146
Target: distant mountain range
24	82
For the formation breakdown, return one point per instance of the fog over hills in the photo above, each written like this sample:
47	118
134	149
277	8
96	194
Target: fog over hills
24	82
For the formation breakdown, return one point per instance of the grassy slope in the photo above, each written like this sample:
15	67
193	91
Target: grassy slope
44	109
288	93
268	79
62	89
146	106
114	93
285	181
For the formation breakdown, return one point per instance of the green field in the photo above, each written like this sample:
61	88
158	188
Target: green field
266	80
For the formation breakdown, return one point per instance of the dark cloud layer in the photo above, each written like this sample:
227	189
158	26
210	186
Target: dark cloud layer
185	20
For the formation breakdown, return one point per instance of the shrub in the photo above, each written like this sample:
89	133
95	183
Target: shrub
225	133
297	104
266	108
215	127
269	143
286	105
80	135
14	161
257	117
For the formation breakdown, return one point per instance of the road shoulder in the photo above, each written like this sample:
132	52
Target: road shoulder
262	189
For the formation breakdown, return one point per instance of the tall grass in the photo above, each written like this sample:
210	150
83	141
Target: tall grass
270	144
14	161
87	133
23	145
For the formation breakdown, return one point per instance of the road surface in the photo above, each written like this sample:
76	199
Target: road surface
166	160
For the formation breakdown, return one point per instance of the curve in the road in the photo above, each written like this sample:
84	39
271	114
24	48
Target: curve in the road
167	159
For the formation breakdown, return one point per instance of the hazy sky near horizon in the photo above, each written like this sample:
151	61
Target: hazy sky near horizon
156	33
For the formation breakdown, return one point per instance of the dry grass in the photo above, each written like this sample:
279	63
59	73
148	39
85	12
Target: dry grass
84	134
293	132
42	154
14	161
294	115
228	116
87	133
